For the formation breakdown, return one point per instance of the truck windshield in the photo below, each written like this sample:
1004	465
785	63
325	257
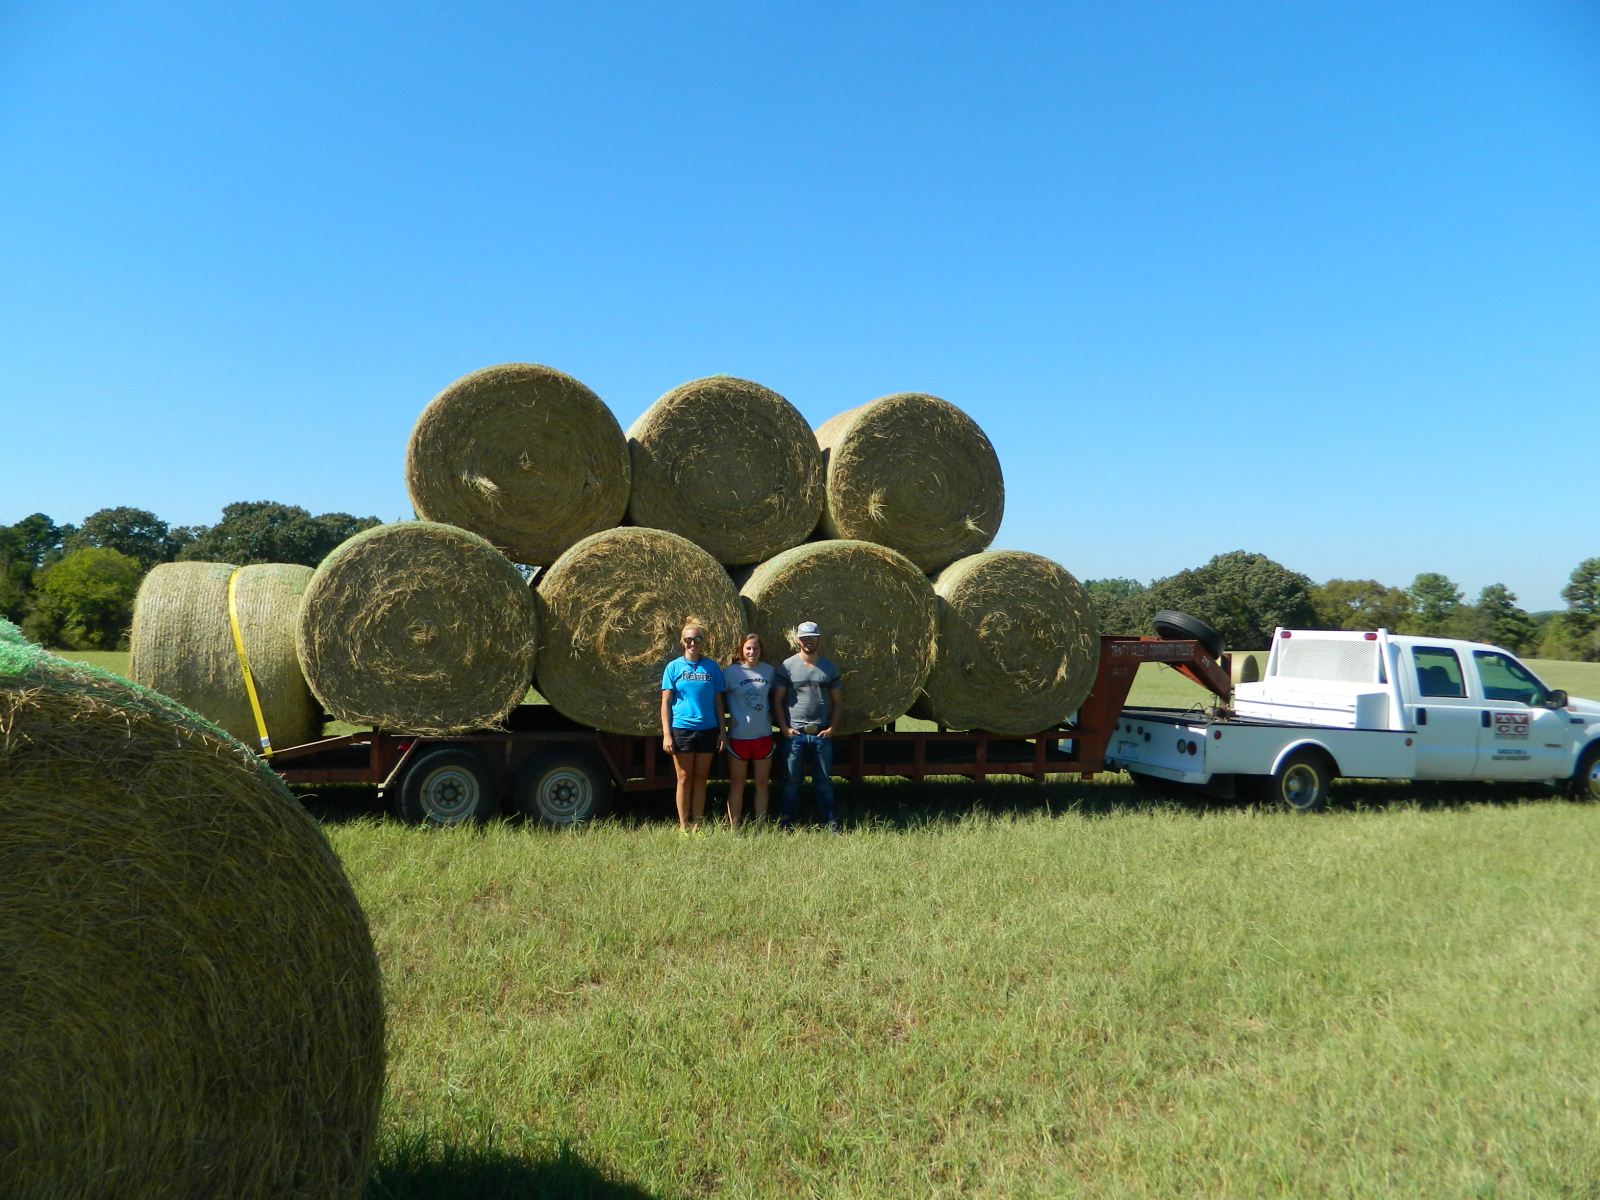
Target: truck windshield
1438	672
1504	678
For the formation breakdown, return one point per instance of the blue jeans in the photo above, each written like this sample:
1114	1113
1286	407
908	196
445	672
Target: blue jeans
820	750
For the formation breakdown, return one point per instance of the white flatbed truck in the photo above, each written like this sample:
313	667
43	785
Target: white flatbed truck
1368	705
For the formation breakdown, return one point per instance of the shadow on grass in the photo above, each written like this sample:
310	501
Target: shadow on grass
425	1168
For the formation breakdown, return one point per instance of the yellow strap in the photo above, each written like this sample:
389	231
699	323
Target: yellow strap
244	665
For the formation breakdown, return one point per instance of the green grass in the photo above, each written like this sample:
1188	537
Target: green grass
1057	993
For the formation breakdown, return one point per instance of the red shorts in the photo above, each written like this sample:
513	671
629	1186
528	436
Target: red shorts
751	749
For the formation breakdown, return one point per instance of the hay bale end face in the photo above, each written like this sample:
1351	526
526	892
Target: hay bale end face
915	473
182	646
877	616
522	454
611	610
190	1003
418	627
1018	645
728	464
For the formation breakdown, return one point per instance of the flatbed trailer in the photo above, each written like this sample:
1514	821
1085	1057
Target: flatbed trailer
562	772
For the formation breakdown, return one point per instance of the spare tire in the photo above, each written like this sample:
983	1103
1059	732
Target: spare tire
1170	623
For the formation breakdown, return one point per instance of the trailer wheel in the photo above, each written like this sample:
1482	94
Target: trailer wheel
450	786
1170	623
1586	779
1302	782
562	787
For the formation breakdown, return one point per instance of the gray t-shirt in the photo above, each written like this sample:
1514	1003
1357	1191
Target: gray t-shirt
806	688
747	699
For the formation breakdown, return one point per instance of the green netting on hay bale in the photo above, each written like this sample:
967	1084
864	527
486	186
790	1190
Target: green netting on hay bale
912	472
1018	645
522	454
418	627
877	616
190	1003
182	646
611	610
730	465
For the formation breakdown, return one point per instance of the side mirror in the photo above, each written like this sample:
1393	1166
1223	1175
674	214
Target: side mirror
1555	699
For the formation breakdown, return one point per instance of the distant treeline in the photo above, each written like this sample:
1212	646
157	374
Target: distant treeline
72	586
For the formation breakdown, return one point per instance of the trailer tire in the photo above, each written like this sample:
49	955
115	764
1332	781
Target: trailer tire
563	787
1170	623
454	785
1302	782
1586	779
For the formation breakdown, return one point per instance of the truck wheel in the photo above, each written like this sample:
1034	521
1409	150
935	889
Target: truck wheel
1170	623
1302	782
1586	780
450	786
562	787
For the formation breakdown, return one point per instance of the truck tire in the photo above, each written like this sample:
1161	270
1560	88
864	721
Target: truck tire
1170	623
1302	782
1586	779
563	787
453	785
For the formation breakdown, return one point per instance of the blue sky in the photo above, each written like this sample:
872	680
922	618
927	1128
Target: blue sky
1319	281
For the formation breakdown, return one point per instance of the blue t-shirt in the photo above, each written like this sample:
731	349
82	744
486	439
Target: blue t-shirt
694	687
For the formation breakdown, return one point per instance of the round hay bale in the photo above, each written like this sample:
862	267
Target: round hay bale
1246	667
522	454
877	616
1018	644
182	646
912	472
418	627
610	612
730	465
190	1003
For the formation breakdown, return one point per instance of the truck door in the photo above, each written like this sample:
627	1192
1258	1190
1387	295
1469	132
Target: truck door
1446	719
1518	737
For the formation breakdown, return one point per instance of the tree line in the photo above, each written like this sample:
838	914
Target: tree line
72	586
1246	596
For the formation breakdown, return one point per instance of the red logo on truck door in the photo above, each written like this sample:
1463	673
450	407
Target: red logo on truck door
1511	725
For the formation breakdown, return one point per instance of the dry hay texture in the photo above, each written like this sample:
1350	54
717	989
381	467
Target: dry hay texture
190	1003
915	473
877	616
182	646
1246	666
1018	644
730	465
418	627
522	454
610	613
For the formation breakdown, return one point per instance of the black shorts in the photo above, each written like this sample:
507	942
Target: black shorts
694	741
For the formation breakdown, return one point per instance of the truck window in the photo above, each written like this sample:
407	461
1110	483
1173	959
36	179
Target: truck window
1504	678
1438	673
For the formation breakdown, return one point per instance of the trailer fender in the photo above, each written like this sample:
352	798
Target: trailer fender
1309	743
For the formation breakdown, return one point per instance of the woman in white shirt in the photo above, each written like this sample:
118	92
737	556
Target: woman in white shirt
749	684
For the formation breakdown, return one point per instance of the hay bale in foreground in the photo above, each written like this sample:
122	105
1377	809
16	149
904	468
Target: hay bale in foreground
522	454
730	465
1247	666
190	1003
915	473
418	627
182	646
1018	644
877	616
610	613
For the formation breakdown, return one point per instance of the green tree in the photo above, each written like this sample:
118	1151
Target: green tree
35	540
1434	598
1494	618
1120	606
84	601
136	532
1360	604
263	531
1243	594
1578	629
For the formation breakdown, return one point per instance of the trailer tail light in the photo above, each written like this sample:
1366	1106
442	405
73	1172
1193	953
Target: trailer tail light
1371	637
1285	634
1216	735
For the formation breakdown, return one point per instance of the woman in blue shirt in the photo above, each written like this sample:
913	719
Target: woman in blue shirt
691	722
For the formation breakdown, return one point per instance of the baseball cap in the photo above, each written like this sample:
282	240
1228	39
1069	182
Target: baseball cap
808	629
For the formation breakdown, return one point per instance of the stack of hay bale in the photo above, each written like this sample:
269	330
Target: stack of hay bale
720	503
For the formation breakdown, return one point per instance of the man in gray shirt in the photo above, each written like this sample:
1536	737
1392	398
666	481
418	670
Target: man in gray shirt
808	701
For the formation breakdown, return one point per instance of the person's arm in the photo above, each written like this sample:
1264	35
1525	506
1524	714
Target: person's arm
722	724
835	711
666	720
780	715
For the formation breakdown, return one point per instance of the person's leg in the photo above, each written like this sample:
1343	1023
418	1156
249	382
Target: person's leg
794	762
737	768
680	765
823	782
700	766
763	773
